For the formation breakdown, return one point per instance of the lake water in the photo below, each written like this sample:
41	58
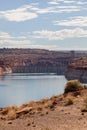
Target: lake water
16	89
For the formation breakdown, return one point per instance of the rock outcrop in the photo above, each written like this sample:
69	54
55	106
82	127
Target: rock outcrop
77	70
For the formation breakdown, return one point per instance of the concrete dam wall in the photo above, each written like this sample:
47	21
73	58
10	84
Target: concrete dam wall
60	70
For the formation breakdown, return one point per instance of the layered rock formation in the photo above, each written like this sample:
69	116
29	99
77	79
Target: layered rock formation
42	61
34	60
77	69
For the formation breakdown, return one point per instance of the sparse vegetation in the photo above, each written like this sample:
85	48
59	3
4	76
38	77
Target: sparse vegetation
47	129
12	114
69	101
84	108
73	85
85	86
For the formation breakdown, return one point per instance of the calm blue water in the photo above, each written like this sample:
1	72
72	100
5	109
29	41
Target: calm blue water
21	88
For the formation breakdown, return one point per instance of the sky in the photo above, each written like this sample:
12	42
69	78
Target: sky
44	24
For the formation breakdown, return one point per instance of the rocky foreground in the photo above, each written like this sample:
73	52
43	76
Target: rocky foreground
64	112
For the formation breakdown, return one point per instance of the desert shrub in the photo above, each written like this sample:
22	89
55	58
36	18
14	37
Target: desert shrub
32	104
85	86
47	128
49	104
4	111
23	106
73	85
69	101
77	93
39	108
84	108
44	100
12	114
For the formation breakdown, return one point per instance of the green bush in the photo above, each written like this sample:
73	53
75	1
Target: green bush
73	85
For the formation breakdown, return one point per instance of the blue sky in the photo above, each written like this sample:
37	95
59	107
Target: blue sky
45	24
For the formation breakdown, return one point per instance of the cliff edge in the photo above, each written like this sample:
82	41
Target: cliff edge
77	69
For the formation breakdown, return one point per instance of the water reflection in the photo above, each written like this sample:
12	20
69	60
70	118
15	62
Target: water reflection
2	77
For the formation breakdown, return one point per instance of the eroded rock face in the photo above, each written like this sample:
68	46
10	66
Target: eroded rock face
77	69
34	61
77	72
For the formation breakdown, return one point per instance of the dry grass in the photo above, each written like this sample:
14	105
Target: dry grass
32	104
69	100
49	104
23	106
9	112
84	108
44	100
12	114
47	129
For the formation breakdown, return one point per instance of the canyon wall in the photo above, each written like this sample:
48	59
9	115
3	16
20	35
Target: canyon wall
34	61
77	69
44	61
80	74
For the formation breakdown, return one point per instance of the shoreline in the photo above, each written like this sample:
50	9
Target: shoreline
53	113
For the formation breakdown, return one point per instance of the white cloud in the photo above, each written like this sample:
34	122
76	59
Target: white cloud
19	14
79	21
61	34
4	35
69	1
41	46
62	1
23	41
16	43
55	2
81	2
57	9
7	39
28	12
